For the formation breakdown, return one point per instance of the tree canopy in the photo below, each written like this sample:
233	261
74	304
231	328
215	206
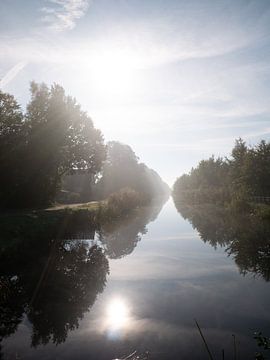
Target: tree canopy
52	138
244	174
123	169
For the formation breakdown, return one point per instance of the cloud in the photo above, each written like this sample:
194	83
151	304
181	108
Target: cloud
12	73
148	45
61	15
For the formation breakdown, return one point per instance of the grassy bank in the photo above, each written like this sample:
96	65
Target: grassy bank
66	220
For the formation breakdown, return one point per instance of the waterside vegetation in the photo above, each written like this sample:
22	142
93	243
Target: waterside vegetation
52	152
239	182
54	262
226	201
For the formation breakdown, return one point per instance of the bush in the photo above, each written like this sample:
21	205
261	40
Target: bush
124	200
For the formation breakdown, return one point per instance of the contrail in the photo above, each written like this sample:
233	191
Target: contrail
12	73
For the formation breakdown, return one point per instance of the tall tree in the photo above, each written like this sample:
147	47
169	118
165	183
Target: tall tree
238	164
57	137
12	146
61	139
122	169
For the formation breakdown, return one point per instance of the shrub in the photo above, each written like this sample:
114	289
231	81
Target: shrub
124	200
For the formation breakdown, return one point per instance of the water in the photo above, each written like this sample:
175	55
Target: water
162	276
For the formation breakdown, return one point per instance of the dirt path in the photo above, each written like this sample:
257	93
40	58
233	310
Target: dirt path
91	204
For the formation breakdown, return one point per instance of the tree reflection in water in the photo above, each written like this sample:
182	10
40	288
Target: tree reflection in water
246	236
52	283
121	237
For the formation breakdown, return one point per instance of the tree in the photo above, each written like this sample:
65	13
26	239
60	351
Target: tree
58	138
238	165
205	183
12	146
258	169
235	180
122	169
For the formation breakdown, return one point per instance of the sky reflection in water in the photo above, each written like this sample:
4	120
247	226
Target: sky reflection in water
159	282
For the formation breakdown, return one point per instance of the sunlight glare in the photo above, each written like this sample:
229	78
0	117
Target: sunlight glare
113	74
117	314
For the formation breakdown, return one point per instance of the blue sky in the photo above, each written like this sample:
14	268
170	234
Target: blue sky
177	80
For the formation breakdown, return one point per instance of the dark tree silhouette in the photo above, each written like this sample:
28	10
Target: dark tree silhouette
12	146
53	138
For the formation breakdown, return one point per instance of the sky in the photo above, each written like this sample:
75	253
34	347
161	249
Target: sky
176	80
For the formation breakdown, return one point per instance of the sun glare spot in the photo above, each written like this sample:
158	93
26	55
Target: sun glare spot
113	75
117	314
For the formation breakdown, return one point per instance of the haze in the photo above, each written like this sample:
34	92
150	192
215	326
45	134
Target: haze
176	80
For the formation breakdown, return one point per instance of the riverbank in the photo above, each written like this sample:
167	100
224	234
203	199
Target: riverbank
64	221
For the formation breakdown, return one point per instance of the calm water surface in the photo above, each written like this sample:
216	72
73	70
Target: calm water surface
156	276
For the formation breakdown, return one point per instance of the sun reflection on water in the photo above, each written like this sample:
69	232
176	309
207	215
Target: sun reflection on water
117	317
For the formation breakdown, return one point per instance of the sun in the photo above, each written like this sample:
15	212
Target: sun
113	75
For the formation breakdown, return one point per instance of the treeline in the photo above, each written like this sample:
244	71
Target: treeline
236	180
53	151
121	171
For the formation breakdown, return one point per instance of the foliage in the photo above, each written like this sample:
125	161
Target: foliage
54	137
124	200
262	342
123	170
234	181
12	147
76	187
54	152
262	211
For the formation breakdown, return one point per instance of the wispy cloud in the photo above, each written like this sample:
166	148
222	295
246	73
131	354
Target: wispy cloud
12	73
61	15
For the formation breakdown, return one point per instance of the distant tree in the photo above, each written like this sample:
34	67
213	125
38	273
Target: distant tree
122	169
238	163
258	169
250	168
245	174
239	152
205	183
